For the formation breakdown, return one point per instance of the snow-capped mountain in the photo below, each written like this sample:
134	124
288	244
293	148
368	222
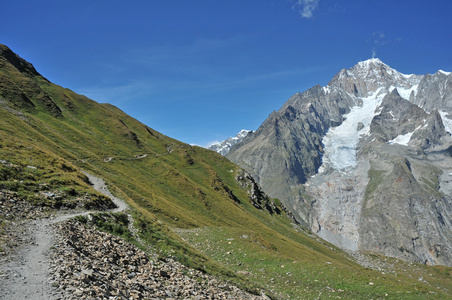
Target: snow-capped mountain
365	162
366	77
224	146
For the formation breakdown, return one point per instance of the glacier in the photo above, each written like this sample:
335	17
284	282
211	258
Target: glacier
340	142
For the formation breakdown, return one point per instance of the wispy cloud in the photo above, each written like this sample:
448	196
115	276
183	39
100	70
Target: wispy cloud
379	40
307	7
112	92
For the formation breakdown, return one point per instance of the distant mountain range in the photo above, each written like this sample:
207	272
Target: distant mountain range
365	161
224	146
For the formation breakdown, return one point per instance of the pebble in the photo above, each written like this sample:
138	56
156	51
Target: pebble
89	264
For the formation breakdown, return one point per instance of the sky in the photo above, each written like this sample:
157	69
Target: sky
201	70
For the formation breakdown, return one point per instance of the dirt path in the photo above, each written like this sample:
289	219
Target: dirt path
100	186
25	274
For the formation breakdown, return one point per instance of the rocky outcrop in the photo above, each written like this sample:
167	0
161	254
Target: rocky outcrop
400	118
431	134
257	196
434	92
397	117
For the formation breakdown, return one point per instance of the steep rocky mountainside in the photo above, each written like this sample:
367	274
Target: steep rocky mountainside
364	161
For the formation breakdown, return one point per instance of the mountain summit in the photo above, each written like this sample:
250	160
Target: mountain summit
369	75
20	64
364	161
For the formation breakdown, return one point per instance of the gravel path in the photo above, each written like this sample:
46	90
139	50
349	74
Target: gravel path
100	186
24	275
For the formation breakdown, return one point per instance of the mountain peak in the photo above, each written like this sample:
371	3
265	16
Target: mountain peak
366	77
19	63
369	63
373	66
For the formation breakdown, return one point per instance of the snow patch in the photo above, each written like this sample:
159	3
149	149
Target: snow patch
403	139
224	146
405	93
447	121
407	75
326	89
444	72
367	63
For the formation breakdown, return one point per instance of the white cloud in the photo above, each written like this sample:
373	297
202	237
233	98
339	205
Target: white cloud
307	7
379	38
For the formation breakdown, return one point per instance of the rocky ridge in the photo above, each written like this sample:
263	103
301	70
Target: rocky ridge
224	146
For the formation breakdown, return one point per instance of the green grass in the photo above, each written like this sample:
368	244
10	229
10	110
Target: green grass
115	223
375	179
306	277
185	199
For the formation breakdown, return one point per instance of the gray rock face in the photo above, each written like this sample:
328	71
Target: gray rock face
437	87
364	161
399	117
257	197
404	212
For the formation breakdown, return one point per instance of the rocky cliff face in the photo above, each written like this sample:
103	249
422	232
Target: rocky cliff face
434	92
363	161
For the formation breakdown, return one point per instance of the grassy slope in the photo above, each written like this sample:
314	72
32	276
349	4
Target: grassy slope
178	195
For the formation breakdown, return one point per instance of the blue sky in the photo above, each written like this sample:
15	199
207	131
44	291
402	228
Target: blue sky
200	71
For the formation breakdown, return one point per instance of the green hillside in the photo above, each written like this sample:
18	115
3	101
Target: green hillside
186	200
